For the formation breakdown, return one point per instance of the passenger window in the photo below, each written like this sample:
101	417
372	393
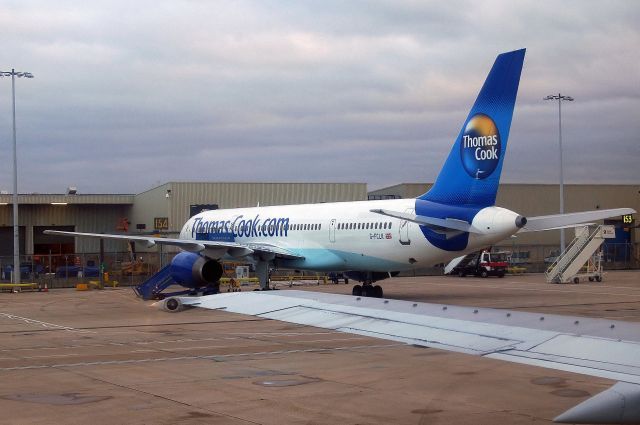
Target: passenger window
390	225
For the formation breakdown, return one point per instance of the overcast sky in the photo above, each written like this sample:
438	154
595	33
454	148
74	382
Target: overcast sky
131	94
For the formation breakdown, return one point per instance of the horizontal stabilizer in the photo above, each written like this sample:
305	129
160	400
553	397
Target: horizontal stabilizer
432	222
557	221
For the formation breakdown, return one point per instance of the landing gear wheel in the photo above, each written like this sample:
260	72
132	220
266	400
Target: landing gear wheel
576	280
377	291
598	278
484	274
172	304
357	290
590	278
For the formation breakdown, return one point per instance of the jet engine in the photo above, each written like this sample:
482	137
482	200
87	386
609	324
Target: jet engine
194	271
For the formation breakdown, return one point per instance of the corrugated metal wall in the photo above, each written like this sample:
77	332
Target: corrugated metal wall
151	204
85	218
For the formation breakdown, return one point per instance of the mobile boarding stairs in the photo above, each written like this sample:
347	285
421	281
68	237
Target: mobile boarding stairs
582	258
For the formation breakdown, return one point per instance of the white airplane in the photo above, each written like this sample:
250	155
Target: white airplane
372	240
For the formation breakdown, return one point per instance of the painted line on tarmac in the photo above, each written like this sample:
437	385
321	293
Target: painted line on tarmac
43	324
207	357
174	341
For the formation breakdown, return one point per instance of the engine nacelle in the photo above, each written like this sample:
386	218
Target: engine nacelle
193	271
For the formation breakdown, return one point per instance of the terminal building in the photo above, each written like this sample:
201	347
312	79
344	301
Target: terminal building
165	208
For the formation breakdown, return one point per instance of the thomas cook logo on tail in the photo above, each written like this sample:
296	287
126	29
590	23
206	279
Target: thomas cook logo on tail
480	147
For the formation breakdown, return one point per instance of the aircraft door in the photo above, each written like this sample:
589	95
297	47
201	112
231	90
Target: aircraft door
332	230
404	229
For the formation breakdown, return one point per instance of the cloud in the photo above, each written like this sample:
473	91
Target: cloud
127	95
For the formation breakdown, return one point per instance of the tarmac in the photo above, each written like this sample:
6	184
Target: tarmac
106	357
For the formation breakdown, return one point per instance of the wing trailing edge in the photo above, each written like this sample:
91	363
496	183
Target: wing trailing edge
211	249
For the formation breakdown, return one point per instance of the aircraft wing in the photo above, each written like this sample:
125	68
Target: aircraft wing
597	347
212	249
437	224
558	221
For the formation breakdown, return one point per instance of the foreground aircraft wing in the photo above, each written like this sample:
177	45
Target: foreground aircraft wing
597	347
432	222
558	221
213	249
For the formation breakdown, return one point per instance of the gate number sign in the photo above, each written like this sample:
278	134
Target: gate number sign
161	223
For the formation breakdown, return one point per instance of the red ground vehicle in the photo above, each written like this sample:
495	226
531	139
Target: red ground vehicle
483	264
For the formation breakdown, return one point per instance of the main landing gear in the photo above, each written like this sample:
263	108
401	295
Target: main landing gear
262	273
367	290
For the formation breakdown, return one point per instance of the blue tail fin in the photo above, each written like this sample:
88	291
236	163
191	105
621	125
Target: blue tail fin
471	174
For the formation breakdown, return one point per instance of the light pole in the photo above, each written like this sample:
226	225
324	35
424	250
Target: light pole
560	98
16	230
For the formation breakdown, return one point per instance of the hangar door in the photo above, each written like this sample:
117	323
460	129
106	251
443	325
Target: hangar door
52	244
6	241
617	251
